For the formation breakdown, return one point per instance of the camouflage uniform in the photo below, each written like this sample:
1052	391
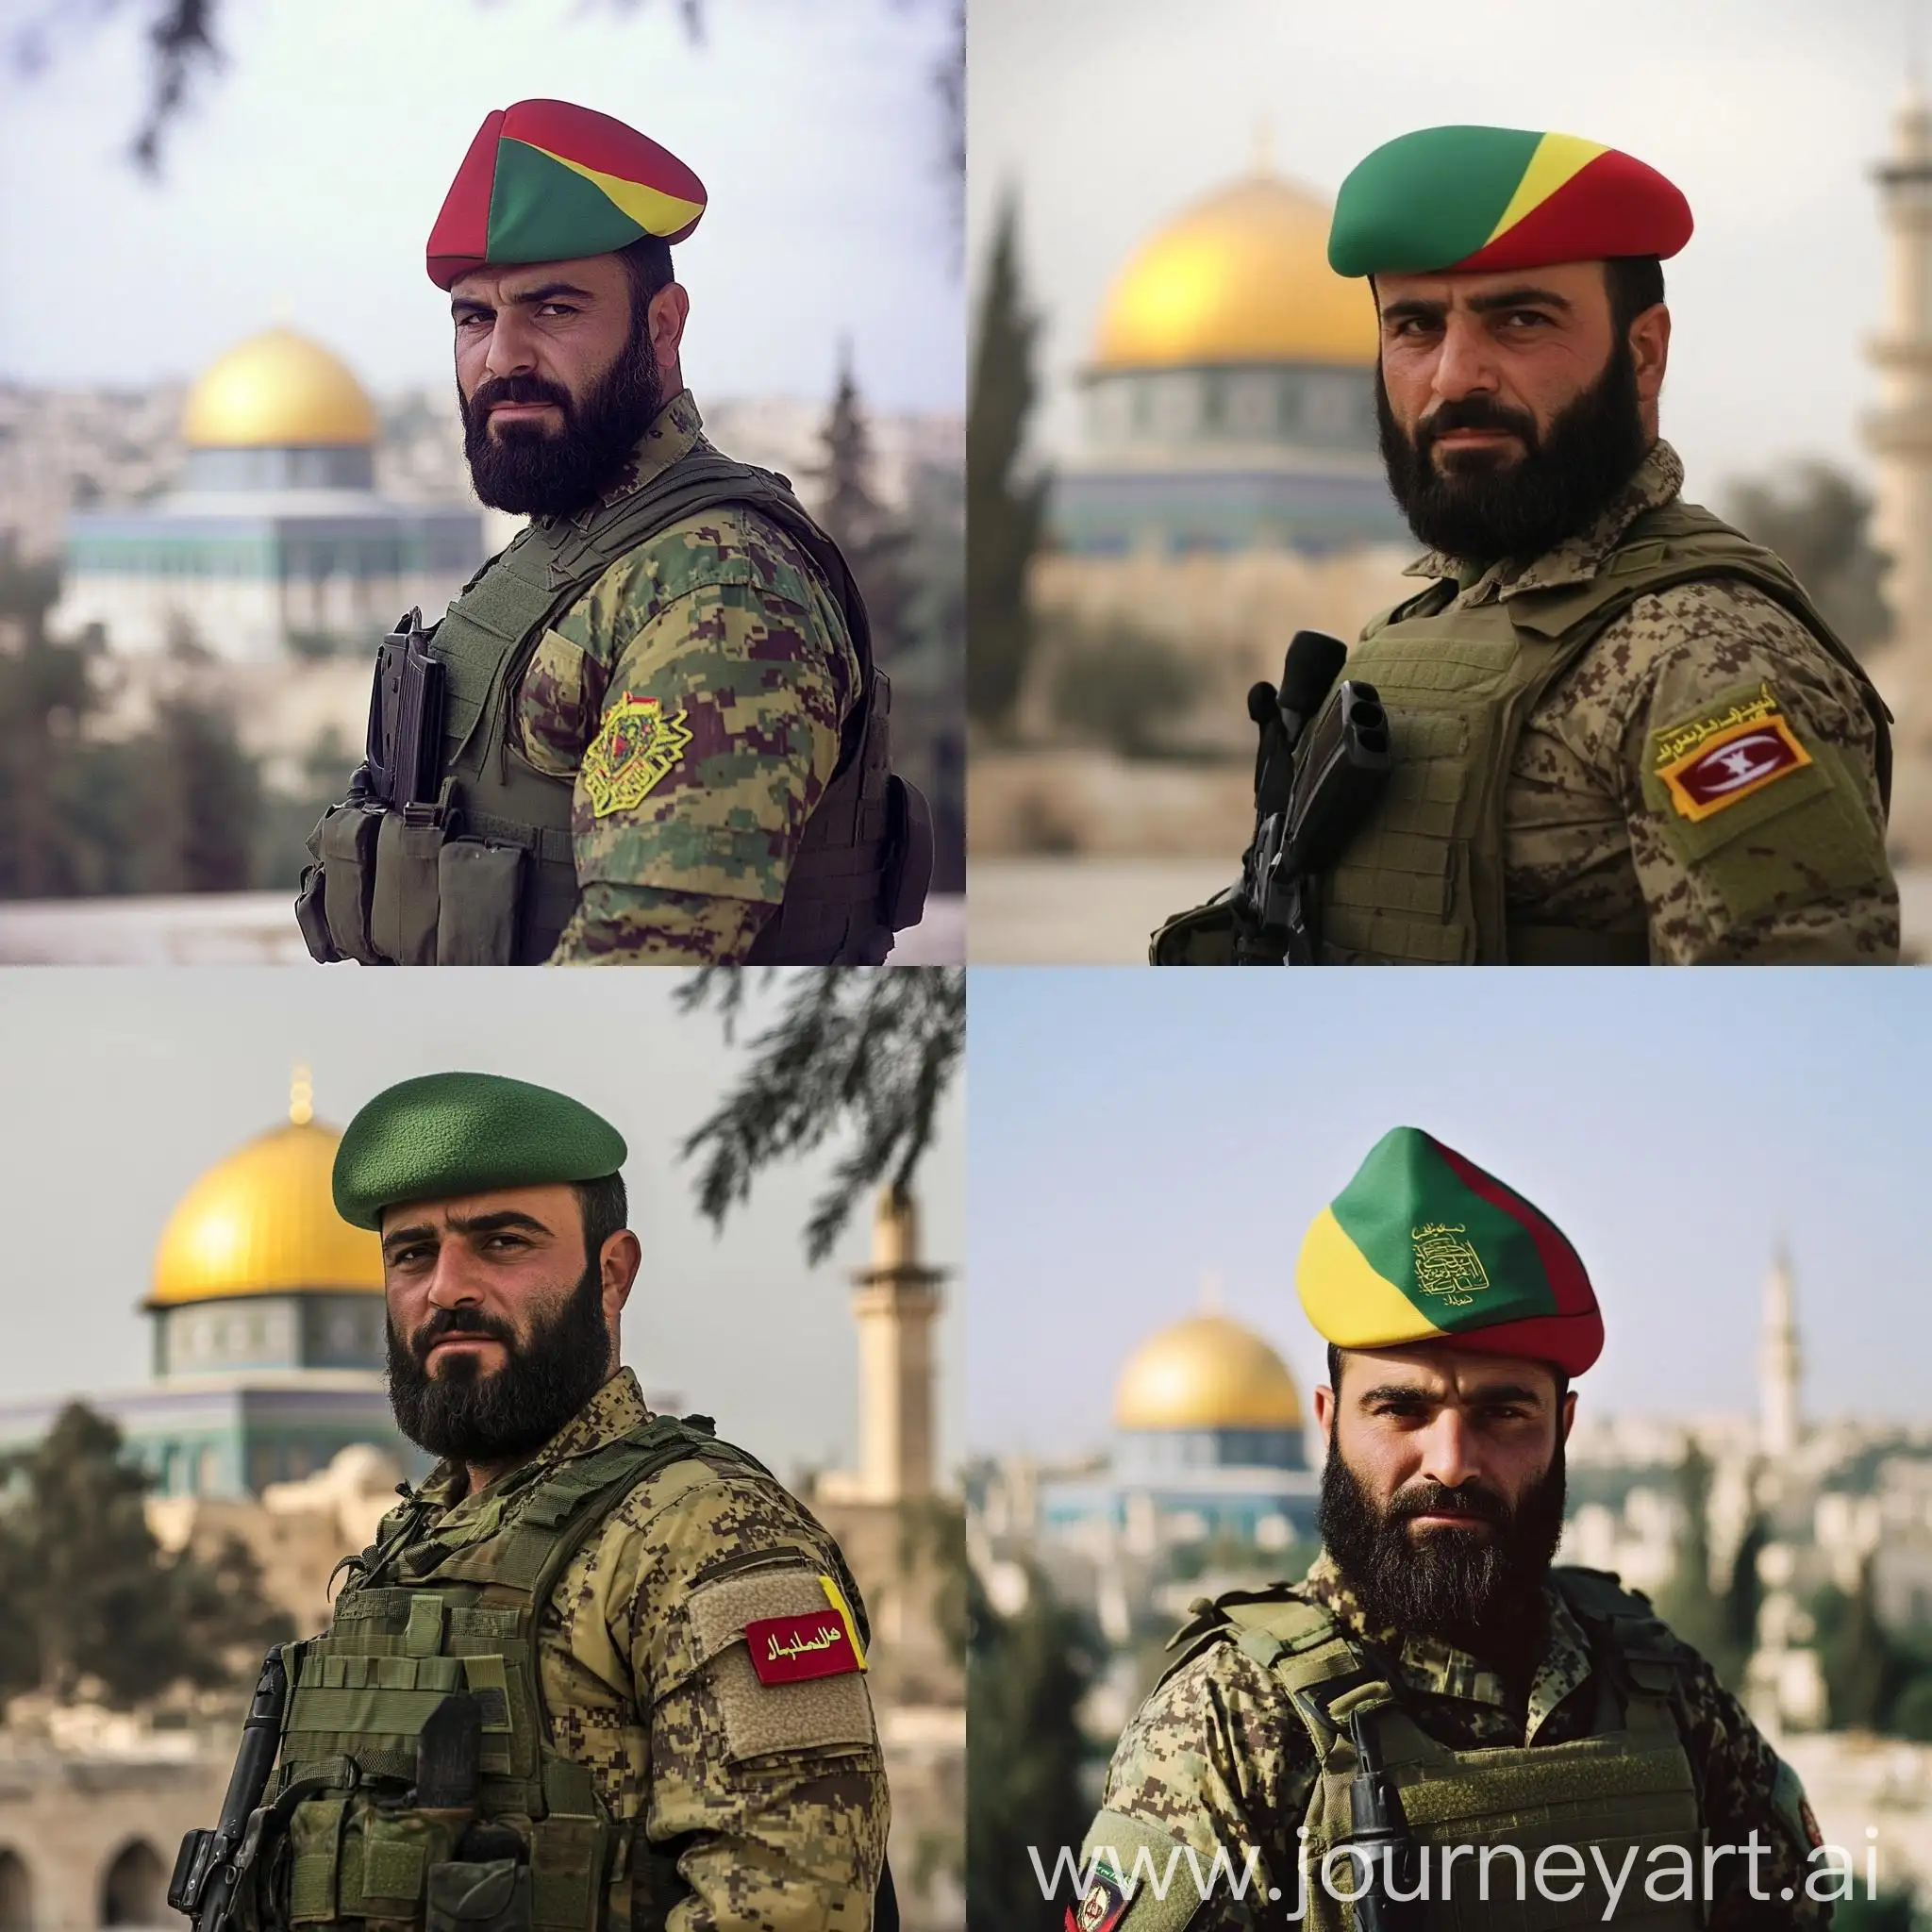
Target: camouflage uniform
1215	1758
719	619
1585	845
772	1830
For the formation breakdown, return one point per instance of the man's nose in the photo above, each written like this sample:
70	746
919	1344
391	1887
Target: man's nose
1448	1456
512	347
1464	366
452	1286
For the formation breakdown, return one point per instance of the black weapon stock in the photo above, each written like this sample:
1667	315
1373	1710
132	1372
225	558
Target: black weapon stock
404	738
209	1863
1384	1850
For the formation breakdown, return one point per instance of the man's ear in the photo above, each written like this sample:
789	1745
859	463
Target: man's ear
1569	1421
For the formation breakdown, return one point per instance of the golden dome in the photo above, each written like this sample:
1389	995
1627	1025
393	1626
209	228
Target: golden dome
1206	1372
277	390
1241	277
264	1222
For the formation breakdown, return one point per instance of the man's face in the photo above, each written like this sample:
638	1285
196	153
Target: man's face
500	1326
1511	408
559	375
1443	1497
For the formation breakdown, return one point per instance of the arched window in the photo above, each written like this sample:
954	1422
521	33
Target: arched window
135	1892
16	1893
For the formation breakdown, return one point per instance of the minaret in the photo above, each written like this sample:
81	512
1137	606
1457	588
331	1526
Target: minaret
1778	1366
894	1302
1899	432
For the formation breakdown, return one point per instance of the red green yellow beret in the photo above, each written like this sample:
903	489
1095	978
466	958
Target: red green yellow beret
546	181
1476	199
1423	1245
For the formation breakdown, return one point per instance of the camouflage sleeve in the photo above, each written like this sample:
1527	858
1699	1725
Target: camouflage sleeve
695	696
771	1797
1748	780
1745	1788
1213	1764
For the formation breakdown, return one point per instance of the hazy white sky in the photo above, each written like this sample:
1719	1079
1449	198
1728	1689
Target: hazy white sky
1110	116
1135	1131
123	1087
302	183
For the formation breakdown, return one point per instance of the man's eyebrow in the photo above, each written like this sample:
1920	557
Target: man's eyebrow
401	1237
1525	297
543	291
495	1222
1416	1391
1399	1392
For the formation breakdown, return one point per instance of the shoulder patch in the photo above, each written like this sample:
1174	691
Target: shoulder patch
1727	754
1102	1906
638	743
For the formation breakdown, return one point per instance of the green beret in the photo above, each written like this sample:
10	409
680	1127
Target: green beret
450	1134
1423	1245
549	181
1477	199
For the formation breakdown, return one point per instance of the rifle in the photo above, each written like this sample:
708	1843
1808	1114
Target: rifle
209	1862
1379	1830
1310	800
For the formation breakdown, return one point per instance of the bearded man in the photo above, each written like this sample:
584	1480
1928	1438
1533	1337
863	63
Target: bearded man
650	731
1434	1715
1622	733
658	1653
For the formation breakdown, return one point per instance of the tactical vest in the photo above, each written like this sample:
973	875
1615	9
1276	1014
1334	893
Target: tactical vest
487	876
539	1852
1422	883
1628	1786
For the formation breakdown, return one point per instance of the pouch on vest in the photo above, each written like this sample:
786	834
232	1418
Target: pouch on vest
404	906
479	887
492	1896
909	855
1202	936
346	841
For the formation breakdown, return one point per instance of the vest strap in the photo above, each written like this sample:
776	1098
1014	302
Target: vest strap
1570	945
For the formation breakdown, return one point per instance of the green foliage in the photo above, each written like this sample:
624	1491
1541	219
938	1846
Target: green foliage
1818	520
858	1051
1005	511
1873	1679
1687	1602
933	1530
1025	1678
1889	1911
1122	687
94	1605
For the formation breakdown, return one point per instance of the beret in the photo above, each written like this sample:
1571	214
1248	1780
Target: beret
1423	1245
450	1134
547	182
1474	199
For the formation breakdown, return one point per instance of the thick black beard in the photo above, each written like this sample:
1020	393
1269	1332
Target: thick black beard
1482	507
1482	1594
524	468
467	1415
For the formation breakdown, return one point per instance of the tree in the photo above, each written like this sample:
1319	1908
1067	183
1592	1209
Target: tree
1860	1666
1818	520
869	1051
1743	1599
1005	510
875	542
93	1603
1025	1678
1687	1602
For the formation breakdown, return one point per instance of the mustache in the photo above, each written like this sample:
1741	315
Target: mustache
517	388
1474	1500
1474	412
446	1321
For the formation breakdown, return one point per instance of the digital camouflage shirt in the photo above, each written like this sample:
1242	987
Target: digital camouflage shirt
1217	1757
1589	843
772	1797
722	633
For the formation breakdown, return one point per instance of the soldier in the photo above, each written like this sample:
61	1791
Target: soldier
1434	1688
665	1648
1622	732
649	730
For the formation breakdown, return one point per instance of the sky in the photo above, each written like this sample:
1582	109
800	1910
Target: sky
1134	1132
125	1087
1112	116
303	181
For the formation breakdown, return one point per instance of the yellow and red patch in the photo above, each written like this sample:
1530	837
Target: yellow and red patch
816	1643
637	745
1712	762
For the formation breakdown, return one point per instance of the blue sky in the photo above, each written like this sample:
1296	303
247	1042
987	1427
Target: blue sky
123	1087
1132	1131
302	184
1110	116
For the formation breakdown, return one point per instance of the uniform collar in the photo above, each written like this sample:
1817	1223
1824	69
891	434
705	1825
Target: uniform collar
1659	479
1432	1666
615	1412
675	432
